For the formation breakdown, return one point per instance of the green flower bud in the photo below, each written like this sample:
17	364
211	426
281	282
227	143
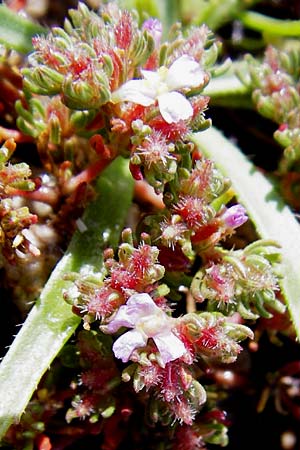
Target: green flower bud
42	80
82	95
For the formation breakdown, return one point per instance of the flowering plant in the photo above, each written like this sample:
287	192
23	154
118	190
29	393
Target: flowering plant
148	257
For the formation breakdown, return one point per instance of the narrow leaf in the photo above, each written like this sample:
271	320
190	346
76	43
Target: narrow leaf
270	215
51	321
270	25
16	32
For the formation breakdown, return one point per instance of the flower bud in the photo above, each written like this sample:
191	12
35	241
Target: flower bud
154	28
235	216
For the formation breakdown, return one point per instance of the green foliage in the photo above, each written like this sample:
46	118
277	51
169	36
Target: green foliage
16	32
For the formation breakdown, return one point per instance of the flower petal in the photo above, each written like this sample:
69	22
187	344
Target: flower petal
234	216
170	347
174	107
137	307
154	28
135	91
140	305
151	77
127	343
121	319
184	72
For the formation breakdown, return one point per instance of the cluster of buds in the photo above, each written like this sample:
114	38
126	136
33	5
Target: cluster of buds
104	74
89	58
196	217
98	377
163	350
137	270
71	159
15	220
275	86
242	281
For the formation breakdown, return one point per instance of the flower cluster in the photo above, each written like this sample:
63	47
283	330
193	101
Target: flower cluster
15	220
162	350
151	110
106	86
241	280
196	217
136	271
103	74
275	92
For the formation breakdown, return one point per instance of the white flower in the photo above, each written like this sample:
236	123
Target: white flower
147	320
162	86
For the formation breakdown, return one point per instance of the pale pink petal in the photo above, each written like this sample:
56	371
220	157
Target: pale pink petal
234	216
138	306
142	303
184	72
174	107
121	319
170	347
127	343
135	91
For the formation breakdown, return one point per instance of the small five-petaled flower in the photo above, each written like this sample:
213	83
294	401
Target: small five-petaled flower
147	320
162	86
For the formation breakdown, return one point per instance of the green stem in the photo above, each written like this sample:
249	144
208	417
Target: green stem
269	214
16	32
270	25
51	321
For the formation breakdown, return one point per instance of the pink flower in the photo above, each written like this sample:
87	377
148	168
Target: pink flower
147	320
234	216
154	27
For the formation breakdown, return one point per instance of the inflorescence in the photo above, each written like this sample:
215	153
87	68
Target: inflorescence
107	85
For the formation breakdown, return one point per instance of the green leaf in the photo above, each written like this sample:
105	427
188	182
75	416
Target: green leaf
270	215
270	25
16	32
51	321
228	90
214	13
